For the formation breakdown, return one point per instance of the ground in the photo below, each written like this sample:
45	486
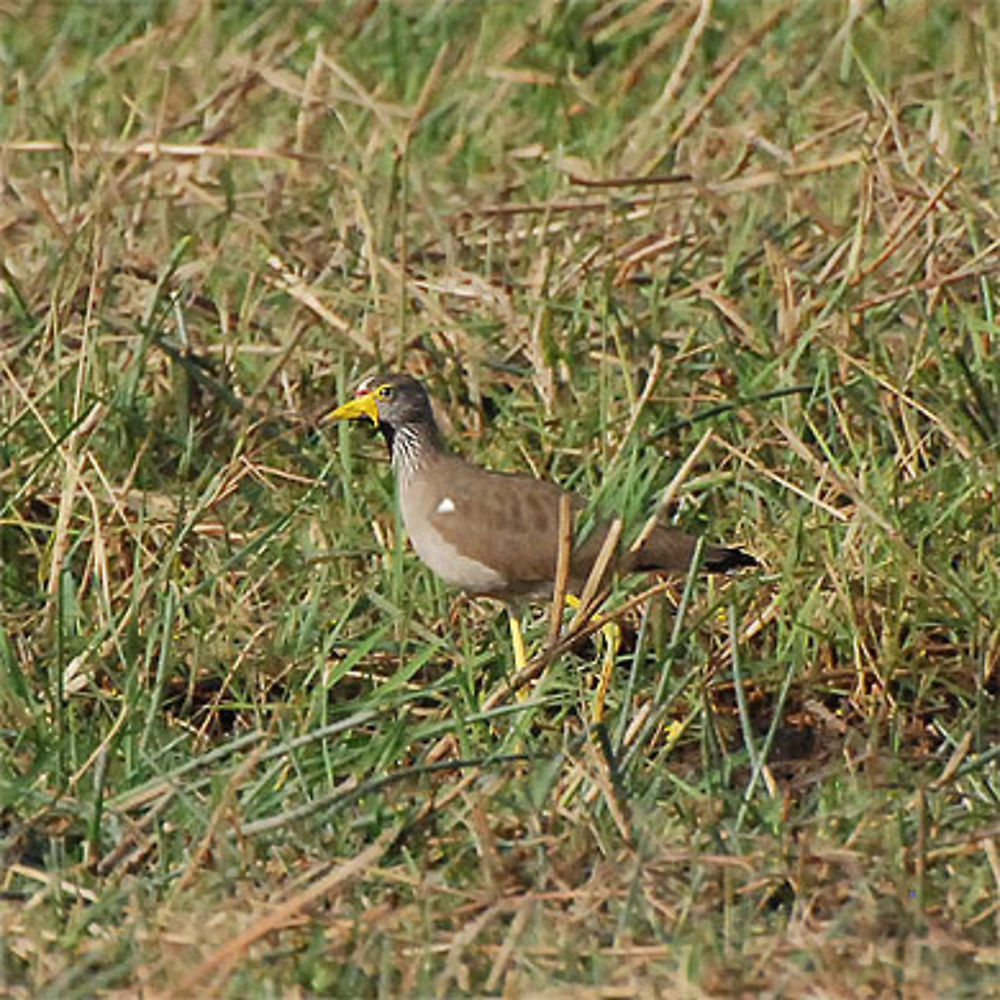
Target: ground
733	262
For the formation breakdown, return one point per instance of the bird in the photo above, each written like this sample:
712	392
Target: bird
497	534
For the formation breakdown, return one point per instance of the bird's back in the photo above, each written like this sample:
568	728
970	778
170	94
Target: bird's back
497	533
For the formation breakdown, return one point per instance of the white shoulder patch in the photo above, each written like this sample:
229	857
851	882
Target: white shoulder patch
446	506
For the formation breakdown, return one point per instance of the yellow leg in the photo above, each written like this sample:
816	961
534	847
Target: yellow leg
517	641
612	640
612	636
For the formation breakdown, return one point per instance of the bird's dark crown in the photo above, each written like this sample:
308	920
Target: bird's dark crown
399	399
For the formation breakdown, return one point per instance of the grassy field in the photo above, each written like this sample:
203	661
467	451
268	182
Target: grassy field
250	746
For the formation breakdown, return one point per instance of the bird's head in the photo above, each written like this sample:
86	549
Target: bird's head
391	401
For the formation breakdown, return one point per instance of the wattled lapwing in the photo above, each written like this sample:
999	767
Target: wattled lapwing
496	534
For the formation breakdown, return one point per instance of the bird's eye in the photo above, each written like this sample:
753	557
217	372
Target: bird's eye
384	392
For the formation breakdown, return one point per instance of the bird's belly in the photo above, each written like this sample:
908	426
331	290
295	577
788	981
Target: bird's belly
449	564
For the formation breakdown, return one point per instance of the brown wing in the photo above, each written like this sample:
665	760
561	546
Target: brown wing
511	523
508	522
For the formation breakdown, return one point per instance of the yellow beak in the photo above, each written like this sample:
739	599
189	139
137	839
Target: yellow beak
355	409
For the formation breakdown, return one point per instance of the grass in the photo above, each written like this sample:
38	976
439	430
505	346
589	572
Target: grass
250	746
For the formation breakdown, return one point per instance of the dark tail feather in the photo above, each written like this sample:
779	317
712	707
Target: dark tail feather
722	560
670	550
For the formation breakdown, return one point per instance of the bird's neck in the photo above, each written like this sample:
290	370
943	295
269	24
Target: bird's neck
411	446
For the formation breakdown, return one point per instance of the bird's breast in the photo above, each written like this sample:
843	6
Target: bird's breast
444	556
